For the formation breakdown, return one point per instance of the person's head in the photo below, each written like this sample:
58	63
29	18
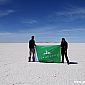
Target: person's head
63	39
32	37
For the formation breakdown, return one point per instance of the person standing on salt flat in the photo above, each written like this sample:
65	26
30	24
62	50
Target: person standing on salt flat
32	49
64	47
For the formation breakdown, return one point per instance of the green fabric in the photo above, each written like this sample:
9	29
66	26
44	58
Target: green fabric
48	53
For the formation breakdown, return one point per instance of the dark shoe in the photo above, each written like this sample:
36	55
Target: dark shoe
62	62
33	59
68	63
29	59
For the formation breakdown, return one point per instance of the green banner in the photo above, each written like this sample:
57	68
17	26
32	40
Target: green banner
48	53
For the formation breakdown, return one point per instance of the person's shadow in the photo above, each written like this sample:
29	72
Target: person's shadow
73	62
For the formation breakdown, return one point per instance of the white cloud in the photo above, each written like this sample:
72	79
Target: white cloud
67	15
30	21
73	30
2	2
5	33
9	37
6	12
76	12
43	35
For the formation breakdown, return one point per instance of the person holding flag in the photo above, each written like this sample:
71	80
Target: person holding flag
32	49
64	47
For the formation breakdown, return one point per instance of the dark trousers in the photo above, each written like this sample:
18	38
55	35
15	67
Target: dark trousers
64	53
32	52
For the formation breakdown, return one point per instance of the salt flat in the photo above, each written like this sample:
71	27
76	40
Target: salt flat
16	70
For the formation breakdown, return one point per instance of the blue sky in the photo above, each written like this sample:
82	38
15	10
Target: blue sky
47	20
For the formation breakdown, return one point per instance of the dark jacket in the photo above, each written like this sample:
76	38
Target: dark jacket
64	46
31	43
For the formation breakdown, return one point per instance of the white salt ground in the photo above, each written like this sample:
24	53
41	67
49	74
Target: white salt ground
16	70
